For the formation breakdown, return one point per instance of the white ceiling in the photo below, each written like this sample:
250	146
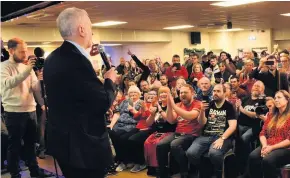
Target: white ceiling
157	15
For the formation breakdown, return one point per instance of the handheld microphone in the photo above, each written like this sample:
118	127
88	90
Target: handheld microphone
104	57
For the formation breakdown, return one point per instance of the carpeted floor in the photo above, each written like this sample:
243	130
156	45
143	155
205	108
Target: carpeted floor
48	165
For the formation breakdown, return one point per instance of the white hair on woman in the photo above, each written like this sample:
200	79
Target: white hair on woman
134	89
68	21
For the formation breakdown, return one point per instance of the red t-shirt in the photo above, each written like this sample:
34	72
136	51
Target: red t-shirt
142	116
197	75
189	126
275	135
173	76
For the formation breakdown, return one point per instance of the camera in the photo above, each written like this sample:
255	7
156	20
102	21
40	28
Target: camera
39	63
177	65
261	109
269	63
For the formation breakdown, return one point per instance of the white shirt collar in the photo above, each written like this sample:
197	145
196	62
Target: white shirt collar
81	49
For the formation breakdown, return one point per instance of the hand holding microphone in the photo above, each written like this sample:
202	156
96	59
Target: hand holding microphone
110	74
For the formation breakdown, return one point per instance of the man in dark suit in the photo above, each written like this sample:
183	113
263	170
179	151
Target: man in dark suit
77	136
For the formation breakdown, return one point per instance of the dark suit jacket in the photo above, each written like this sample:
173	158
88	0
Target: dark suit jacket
77	102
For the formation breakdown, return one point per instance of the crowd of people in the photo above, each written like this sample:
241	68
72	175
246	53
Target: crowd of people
164	115
204	108
207	106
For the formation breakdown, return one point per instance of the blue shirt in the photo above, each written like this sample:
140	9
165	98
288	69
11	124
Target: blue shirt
81	49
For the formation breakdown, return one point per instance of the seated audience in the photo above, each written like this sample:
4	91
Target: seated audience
185	115
123	126
175	91
249	123
164	80
204	92
219	120
136	141
235	87
226	59
196	75
158	122
213	68
222	76
274	151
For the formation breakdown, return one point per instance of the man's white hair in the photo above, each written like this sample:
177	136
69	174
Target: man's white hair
68	21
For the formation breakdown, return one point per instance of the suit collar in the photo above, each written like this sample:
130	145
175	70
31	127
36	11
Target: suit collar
74	48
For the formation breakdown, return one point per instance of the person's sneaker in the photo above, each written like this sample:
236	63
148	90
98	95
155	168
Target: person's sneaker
130	165
121	167
138	168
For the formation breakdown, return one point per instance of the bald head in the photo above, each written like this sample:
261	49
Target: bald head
247	53
204	84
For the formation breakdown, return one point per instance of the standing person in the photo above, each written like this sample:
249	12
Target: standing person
18	84
78	100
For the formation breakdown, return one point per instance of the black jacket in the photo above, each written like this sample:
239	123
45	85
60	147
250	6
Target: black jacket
78	101
272	84
225	76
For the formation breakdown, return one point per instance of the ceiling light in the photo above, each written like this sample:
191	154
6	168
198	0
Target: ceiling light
108	23
234	3
178	27
111	44
287	14
230	30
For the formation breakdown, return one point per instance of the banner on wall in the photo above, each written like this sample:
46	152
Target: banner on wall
200	52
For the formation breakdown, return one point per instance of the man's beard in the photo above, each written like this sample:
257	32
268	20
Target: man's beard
216	98
16	59
185	101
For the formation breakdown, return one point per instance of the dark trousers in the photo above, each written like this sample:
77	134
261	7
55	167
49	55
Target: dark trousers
136	144
4	145
21	126
243	146
120	142
267	166
41	123
176	145
71	172
203	144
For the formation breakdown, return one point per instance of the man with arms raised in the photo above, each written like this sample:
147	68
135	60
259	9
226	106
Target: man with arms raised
185	115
